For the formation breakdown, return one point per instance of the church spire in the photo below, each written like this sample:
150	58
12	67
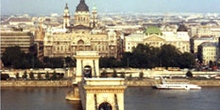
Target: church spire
66	6
94	17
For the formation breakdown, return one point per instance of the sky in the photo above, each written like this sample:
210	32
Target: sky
43	7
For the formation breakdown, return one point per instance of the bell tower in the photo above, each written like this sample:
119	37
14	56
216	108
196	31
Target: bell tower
66	17
94	17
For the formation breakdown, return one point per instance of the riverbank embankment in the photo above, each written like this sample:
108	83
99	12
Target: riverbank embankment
56	83
68	83
151	82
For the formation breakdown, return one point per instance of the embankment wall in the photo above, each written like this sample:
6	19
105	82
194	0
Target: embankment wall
60	83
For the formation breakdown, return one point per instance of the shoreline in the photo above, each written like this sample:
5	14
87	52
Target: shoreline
50	83
68	83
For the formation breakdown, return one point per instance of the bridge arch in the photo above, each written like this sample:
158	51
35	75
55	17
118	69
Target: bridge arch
105	106
87	71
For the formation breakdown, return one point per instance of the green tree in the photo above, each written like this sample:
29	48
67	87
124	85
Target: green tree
56	62
54	76
169	55
130	76
17	75
122	75
141	75
31	75
115	73
154	60
139	59
4	76
109	62
61	76
24	76
47	75
211	64
16	58
39	76
189	74
104	74
71	62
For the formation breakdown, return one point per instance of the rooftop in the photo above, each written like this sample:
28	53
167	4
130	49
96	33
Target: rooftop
153	30
182	28
20	20
204	38
82	6
209	44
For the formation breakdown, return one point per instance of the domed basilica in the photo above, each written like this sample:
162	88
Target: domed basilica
84	35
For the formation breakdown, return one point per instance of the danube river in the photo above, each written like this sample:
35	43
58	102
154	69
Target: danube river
136	98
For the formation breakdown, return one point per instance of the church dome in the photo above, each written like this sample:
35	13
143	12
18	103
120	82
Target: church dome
182	28
153	30
82	6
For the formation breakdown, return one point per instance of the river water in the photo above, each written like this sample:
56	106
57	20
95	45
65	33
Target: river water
136	98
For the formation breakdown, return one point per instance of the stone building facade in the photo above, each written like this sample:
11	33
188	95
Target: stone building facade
66	44
154	37
25	40
208	52
83	36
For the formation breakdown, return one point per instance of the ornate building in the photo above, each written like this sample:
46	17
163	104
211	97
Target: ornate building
81	37
156	38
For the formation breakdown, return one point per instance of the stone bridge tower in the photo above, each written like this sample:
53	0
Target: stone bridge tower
104	94
87	65
95	93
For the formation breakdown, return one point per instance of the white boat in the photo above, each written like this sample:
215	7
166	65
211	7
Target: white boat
177	86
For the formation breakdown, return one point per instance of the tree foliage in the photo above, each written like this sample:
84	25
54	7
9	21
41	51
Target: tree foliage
15	58
114	73
39	76
56	62
70	62
189	74
61	76
122	75
109	62
17	75
4	76
24	76
141	75
104	74
54	76
47	75
145	56
31	75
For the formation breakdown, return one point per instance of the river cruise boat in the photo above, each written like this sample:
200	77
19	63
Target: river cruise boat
176	86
